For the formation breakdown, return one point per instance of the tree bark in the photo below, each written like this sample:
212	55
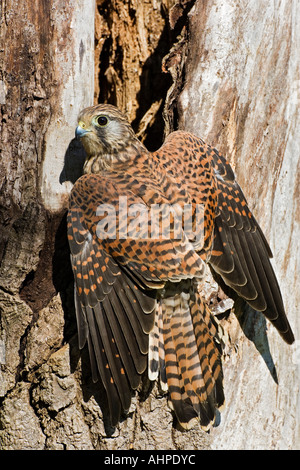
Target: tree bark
242	95
47	58
222	70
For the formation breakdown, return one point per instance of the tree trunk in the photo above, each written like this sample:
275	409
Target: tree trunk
226	71
47	56
242	95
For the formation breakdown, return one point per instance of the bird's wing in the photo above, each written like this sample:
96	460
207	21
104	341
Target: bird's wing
241	254
113	316
114	282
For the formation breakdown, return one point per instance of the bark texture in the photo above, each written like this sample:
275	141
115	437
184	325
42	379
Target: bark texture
242	94
46	58
229	73
132	38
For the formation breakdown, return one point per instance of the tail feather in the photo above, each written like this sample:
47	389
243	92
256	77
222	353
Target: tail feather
192	349
210	342
156	366
161	351
182	405
153	359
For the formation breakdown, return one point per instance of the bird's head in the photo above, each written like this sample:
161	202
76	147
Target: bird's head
104	130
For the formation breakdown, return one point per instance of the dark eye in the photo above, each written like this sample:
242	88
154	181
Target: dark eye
102	120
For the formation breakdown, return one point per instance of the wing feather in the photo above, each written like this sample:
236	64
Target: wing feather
241	254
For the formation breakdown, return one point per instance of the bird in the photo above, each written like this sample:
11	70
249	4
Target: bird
143	229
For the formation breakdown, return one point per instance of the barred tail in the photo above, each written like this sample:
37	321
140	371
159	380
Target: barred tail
192	356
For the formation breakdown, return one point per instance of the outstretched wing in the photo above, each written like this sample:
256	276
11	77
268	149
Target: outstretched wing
240	252
114	316
115	285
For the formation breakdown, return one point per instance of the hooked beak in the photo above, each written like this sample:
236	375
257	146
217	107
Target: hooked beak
80	132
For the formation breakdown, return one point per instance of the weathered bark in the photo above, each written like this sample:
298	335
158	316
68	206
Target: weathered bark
46	77
223	70
132	39
242	94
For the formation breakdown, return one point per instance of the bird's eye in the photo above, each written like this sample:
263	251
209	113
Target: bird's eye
101	121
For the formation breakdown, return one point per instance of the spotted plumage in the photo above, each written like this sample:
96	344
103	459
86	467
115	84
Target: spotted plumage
142	228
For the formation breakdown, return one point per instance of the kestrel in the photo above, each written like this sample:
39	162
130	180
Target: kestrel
142	227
